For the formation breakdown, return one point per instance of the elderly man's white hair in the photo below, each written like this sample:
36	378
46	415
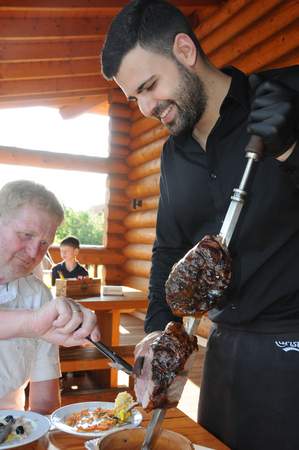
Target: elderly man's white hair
16	194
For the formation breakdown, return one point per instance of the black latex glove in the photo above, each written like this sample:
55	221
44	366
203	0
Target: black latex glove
274	115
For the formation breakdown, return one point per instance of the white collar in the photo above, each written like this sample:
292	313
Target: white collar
8	291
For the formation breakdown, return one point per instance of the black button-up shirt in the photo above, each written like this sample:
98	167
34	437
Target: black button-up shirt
196	186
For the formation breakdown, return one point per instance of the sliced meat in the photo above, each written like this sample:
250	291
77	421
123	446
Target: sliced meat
199	279
161	362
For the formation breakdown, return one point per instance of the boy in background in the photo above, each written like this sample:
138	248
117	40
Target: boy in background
69	267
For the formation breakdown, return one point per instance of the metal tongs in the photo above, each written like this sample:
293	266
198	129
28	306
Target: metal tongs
253	153
117	361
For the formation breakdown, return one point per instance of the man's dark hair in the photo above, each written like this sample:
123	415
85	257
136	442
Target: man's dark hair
71	241
153	24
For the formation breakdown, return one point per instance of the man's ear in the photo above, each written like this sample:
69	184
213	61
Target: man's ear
184	50
76	252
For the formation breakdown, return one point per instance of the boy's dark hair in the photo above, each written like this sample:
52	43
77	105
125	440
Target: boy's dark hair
71	241
153	24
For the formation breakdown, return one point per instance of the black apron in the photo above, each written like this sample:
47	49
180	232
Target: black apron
249	397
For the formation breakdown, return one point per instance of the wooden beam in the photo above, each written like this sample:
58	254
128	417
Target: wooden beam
22	26
235	25
64	161
55	99
259	31
49	69
109	5
52	86
84	105
45	50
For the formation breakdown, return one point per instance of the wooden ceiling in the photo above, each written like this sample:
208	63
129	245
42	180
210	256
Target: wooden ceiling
49	50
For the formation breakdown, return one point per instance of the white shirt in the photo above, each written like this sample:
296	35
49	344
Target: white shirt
24	359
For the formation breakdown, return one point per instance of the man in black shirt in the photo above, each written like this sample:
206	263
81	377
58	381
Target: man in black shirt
250	391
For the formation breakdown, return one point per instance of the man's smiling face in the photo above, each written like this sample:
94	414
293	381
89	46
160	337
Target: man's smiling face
163	88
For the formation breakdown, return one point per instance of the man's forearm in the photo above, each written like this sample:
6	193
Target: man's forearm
16	323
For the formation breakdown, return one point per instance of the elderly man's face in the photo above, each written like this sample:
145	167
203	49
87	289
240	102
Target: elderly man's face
25	236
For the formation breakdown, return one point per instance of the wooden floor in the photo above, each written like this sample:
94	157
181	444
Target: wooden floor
131	332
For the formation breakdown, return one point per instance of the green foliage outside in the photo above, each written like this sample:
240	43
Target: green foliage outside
86	226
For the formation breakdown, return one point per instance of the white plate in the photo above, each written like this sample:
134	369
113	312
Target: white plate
40	423
58	418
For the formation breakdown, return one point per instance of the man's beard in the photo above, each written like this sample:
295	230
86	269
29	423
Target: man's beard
190	102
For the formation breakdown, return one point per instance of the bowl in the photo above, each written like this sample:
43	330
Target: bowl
132	440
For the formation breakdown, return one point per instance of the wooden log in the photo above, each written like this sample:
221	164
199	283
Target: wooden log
136	113
115	227
143	188
118	110
146	203
117	96
140	283
22	70
92	255
29	86
115	241
290	59
141	235
142	125
116	138
23	26
275	47
138	251
114	272
146	153
117	197
142	219
119	125
219	17
117	181
146	169
233	27
118	151
65	161
47	49
55	98
116	213
150	136
137	267
258	32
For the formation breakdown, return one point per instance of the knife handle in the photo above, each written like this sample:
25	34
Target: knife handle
255	146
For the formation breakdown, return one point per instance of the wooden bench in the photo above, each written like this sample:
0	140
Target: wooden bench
76	359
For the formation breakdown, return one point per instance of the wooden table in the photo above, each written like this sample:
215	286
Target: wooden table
175	420
109	307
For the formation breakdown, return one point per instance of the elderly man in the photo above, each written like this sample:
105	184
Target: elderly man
29	217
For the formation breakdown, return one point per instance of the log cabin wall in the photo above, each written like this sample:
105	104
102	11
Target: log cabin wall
249	34
117	202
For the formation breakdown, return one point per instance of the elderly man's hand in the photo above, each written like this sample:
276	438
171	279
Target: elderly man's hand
64	322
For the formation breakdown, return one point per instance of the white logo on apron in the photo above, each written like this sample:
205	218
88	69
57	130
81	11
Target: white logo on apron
288	346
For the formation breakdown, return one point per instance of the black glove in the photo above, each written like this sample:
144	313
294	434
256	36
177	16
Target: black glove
274	115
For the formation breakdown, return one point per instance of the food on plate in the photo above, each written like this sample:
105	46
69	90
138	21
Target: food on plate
100	419
122	405
160	376
199	280
14	428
